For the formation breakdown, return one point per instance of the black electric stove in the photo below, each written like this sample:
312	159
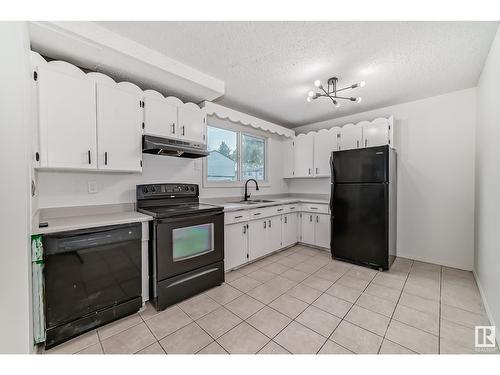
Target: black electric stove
186	252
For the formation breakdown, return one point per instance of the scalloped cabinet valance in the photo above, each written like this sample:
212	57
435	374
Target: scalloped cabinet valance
87	121
225	113
308	155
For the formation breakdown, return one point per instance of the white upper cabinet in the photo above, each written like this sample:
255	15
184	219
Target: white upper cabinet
66	117
325	141
351	136
375	133
160	115
119	125
192	122
288	158
303	155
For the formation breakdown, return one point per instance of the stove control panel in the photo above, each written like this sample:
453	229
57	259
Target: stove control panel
166	191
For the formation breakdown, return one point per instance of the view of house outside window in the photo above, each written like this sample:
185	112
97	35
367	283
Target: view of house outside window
235	156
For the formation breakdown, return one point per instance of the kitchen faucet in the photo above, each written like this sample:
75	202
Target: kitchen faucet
246	187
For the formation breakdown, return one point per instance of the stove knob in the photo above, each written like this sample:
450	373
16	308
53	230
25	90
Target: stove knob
145	190
186	188
192	188
153	189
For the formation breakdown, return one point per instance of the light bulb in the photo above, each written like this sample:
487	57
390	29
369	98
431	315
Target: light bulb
310	94
359	99
362	84
309	99
317	83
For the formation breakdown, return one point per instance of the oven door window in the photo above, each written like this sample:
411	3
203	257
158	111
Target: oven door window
193	241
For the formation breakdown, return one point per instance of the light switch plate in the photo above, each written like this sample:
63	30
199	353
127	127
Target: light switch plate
92	187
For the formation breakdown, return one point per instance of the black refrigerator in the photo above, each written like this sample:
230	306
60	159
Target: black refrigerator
363	206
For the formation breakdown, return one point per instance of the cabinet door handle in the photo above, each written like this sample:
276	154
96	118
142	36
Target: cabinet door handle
265	223
317	219
106	158
280	209
269	223
316	170
285	219
256	214
238	217
357	144
173	128
88	153
244	229
183	130
366	142
311	218
309	170
313	208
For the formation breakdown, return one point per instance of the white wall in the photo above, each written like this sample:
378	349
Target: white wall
487	256
435	142
15	274
61	189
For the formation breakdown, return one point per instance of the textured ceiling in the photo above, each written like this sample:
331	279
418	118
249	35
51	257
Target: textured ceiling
269	67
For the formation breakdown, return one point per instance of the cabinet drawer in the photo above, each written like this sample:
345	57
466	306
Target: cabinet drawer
295	207
314	207
259	213
236	217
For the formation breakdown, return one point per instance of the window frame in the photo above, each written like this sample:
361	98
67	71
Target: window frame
239	182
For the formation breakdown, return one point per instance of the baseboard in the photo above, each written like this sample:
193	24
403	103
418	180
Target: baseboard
435	261
487	307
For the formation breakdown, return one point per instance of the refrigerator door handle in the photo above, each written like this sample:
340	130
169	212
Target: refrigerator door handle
332	191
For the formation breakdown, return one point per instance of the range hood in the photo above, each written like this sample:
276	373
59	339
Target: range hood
173	147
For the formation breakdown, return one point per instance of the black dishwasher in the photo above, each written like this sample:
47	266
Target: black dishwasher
92	277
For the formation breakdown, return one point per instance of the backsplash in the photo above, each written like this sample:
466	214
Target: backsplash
63	189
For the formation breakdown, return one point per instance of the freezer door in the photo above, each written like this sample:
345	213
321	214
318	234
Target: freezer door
369	164
360	224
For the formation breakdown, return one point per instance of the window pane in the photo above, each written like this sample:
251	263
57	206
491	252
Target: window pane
253	156
222	161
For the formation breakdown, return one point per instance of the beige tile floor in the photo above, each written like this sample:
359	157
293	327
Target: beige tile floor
302	301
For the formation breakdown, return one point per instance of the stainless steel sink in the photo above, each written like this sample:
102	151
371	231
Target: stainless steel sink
253	201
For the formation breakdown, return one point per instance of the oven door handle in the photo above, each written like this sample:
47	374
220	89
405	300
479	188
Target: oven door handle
189	216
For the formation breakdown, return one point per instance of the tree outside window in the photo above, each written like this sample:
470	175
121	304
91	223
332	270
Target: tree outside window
235	156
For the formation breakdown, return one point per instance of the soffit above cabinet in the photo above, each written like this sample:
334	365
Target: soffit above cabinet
224	113
93	47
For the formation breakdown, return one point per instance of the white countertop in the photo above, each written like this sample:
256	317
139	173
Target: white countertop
73	218
230	206
67	223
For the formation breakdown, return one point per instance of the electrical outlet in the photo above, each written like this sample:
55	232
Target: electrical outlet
92	187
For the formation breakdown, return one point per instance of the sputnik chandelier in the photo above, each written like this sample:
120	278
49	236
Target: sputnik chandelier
331	91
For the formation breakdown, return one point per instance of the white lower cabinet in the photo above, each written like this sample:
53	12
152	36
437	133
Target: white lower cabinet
252	239
236	245
322	230
257	239
315	229
289	229
273	234
307	228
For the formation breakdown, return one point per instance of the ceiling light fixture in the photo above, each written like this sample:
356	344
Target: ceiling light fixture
331	91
